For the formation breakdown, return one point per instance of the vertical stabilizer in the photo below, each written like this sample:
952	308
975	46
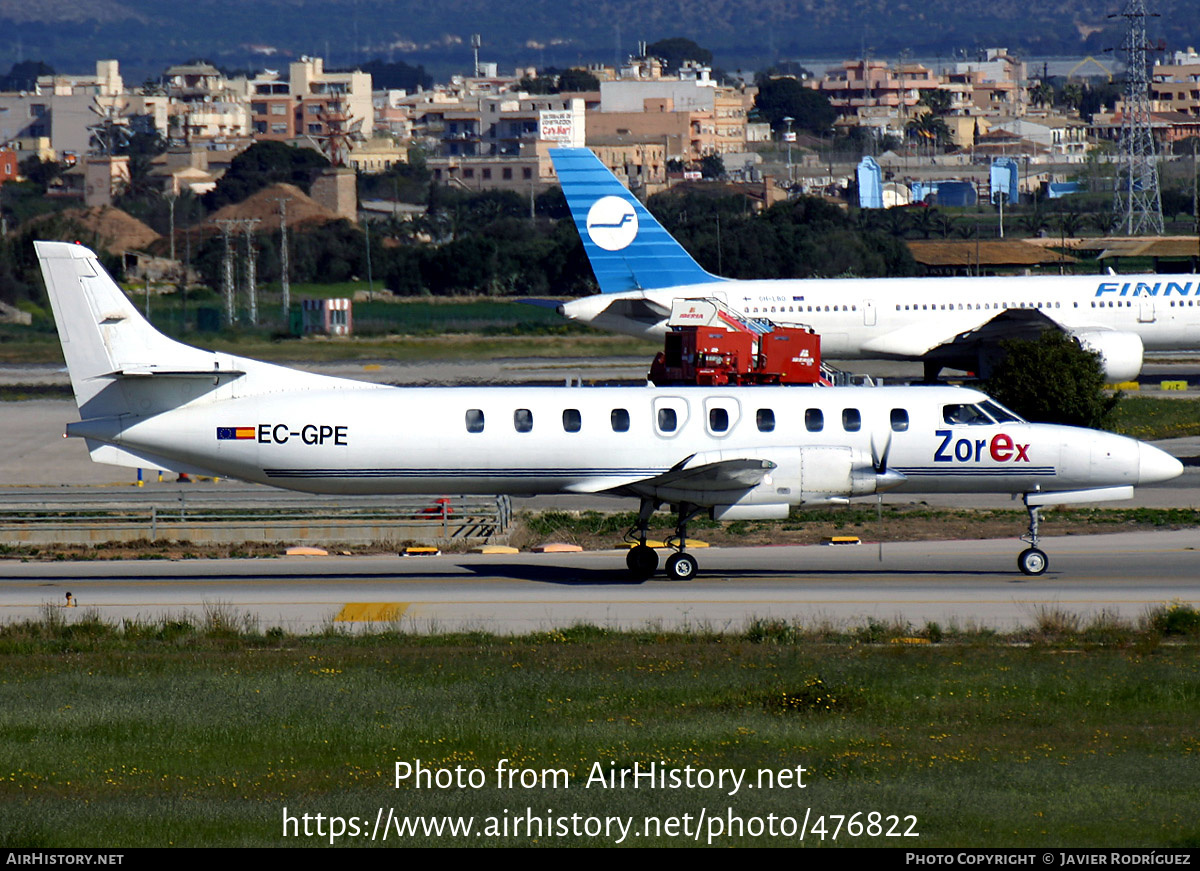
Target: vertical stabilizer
101	332
627	247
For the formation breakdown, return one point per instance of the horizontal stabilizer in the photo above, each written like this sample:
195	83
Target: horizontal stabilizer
115	456
148	372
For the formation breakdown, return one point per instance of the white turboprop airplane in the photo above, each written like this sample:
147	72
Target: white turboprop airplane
954	322
146	400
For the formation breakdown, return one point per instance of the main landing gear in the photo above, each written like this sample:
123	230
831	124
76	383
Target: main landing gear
642	561
1033	560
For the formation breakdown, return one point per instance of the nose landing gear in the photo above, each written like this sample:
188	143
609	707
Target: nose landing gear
1032	560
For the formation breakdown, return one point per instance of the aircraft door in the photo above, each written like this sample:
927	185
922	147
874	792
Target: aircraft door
1146	310
868	312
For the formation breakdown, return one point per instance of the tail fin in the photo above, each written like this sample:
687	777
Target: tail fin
104	339
627	247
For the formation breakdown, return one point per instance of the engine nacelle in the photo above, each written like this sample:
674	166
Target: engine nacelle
816	475
1120	353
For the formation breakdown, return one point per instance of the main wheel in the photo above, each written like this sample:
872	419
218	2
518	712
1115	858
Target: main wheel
642	562
682	567
1032	561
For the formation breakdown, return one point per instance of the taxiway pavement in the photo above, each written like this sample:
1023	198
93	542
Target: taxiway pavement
955	583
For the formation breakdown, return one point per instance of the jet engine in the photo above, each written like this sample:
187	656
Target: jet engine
1120	352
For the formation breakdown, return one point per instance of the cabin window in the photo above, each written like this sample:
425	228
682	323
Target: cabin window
474	420
572	420
718	419
620	419
765	419
851	419
899	419
668	421
522	420
814	420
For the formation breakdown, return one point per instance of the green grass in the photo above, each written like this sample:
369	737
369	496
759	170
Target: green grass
1146	417
200	733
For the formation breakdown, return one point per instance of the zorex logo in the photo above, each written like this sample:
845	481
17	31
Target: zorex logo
1000	448
612	223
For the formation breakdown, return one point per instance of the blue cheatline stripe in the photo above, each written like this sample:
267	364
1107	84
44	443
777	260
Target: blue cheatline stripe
456	473
937	471
653	260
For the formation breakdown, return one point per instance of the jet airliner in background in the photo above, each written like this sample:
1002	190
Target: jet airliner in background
955	322
146	400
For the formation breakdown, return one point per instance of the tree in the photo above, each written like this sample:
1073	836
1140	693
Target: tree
712	166
936	100
930	127
1069	223
1174	202
1034	221
264	164
1051	380
783	98
24	75
677	49
397	76
1041	94
554	81
577	80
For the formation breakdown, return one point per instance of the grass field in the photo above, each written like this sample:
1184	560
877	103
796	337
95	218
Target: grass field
201	734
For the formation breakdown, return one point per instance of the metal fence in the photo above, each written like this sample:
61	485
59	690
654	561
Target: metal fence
77	519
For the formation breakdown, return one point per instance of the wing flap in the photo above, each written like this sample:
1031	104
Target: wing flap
961	328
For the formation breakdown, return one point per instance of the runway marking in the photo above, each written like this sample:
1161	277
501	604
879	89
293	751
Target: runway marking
371	612
1050	600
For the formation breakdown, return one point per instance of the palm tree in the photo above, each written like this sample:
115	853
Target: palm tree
925	221
896	222
1069	223
1033	222
1041	94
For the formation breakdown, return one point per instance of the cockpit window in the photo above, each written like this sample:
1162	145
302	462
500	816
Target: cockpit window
999	413
971	415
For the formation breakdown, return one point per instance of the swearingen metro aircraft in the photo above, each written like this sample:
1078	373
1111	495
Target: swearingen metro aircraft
942	321
146	400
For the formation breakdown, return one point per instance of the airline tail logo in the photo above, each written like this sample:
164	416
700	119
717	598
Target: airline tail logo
612	223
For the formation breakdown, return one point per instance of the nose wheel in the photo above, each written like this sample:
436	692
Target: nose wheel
1033	560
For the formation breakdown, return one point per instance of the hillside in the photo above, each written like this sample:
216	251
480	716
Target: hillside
558	32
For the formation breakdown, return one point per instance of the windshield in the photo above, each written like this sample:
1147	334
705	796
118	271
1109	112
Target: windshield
999	413
971	415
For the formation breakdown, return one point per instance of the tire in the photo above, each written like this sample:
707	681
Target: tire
1032	562
642	562
682	567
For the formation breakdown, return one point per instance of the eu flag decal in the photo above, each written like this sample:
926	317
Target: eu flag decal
234	432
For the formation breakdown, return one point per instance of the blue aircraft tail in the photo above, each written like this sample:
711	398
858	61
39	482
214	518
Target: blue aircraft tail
627	247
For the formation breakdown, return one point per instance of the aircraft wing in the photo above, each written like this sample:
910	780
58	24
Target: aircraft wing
706	478
963	329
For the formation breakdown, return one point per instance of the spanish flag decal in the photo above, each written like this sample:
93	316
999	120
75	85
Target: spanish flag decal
234	432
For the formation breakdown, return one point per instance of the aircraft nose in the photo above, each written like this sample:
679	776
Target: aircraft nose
1156	465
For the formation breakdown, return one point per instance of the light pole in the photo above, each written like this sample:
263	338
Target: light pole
789	137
